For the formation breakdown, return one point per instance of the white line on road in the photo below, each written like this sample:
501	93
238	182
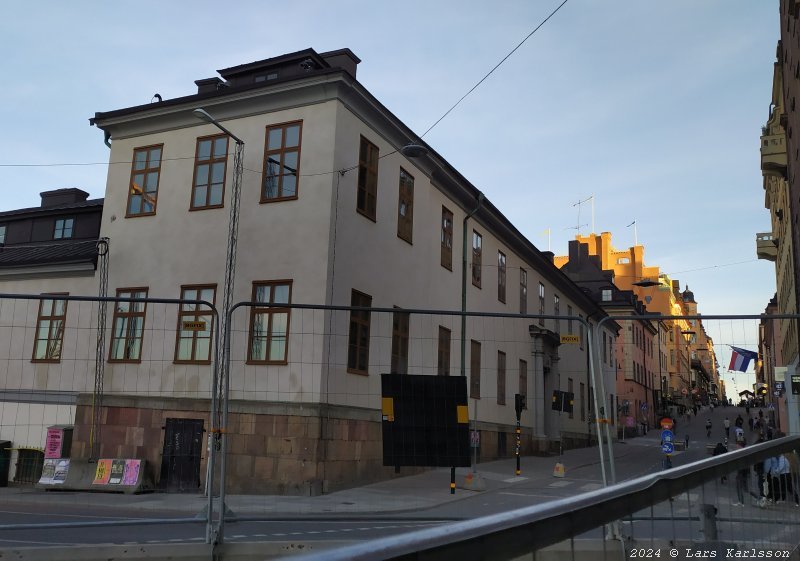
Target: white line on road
514	479
560	483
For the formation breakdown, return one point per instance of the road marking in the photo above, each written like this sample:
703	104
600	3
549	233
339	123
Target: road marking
591	486
331	531
514	479
313	532
527	494
560	483
278	534
254	535
347	529
237	536
37	543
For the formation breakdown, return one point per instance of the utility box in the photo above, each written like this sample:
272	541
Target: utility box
5	461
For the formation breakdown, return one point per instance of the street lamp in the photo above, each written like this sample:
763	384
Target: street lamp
688	339
221	382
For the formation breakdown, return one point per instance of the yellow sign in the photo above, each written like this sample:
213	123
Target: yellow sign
194	326
387	408
570	339
462	414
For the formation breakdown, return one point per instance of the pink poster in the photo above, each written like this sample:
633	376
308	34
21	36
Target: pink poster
55	438
131	474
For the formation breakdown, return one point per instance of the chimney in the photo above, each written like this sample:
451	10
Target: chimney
343	58
61	197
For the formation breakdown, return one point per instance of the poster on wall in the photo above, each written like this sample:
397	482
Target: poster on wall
60	474
103	472
131	474
117	470
48	471
55	439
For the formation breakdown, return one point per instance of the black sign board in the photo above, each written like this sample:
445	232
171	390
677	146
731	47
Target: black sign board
425	420
796	384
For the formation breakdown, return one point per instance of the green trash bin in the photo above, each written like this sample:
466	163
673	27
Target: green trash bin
5	461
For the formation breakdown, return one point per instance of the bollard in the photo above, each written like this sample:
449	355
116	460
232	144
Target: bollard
710	522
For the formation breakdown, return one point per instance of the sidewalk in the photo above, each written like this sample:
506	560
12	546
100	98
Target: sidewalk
405	494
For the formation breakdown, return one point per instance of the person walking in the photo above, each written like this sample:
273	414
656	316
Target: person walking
727	424
739	421
708	428
780	478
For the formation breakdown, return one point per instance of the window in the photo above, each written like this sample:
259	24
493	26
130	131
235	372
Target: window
605	295
477	256
399	343
571	389
126	339
195	325
145	172
405	207
557	312
501	277
447	239
50	330
605	348
541	303
569	320
672	357
443	358
475	369
501	378
580	331
523	377
2	234
282	162
358	344
523	291
367	199
210	163
269	326
63	229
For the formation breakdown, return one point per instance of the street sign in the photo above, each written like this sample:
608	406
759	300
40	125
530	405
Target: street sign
666	423
194	326
667	435
570	339
796	384
667	448
776	393
779	386
475	439
644	407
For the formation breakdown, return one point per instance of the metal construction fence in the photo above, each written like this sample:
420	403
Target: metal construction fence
288	400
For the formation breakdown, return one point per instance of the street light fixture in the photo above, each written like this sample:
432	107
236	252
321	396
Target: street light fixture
222	381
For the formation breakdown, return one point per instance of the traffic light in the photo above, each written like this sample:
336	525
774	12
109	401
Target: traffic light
763	390
519	403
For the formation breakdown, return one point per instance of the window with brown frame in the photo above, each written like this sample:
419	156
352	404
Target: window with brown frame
523	291
358	341
541	303
282	162
367	199
443	354
145	173
210	164
195	325
474	369
63	228
269	325
477	257
405	207
447	239
557	312
50	330
400	322
523	377
501	276
501	378
128	326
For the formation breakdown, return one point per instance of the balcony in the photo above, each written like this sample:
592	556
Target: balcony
773	155
766	246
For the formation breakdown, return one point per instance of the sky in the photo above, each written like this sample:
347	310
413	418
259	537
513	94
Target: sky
653	108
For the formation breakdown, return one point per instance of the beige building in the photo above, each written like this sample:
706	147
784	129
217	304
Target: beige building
332	213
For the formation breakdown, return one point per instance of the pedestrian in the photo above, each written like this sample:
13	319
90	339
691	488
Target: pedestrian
708	428
686	442
794	476
739	436
727	424
742	483
739	421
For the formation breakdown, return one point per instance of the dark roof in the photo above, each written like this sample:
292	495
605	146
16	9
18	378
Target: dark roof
52	209
50	253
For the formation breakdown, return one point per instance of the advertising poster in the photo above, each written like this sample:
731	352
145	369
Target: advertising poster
131	475
117	469
48	471
61	470
52	448
102	473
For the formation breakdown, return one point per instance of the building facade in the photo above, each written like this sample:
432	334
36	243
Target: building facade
332	213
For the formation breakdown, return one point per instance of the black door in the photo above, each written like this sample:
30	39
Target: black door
180	462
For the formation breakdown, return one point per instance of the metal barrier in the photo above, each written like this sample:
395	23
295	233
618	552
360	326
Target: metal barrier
687	512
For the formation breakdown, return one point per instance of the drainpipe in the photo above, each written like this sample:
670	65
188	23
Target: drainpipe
479	198
107	139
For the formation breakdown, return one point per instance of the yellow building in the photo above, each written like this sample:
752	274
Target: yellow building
688	362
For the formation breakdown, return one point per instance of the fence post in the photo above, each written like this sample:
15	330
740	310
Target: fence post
709	522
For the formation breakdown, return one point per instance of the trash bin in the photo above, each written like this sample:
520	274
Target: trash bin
5	461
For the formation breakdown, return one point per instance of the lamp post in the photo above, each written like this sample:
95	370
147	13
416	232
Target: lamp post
220	391
688	359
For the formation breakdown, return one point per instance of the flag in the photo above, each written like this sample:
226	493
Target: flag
740	359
